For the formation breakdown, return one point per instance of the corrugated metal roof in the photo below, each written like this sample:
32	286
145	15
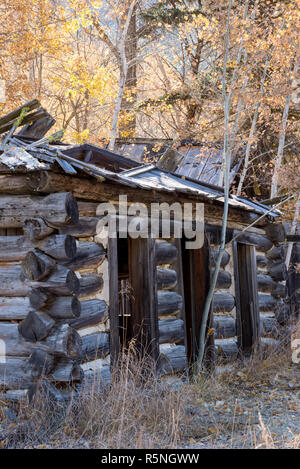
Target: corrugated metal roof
16	157
150	177
204	164
147	177
201	162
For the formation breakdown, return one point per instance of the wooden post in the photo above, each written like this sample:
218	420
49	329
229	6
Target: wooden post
248	323
144	309
112	255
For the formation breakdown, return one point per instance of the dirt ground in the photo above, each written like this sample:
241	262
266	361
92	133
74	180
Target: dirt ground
262	412
255	404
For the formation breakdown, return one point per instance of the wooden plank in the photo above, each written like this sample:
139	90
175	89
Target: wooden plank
177	266
144	308
196	274
30	105
237	289
112	256
38	128
250	323
33	116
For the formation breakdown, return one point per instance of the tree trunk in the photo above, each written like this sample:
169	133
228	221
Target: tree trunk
14	309
64	341
86	227
90	284
62	282
37	266
172	360
36	326
225	327
15	373
128	102
67	371
36	229
95	346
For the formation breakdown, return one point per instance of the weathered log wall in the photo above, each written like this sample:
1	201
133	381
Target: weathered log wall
272	292
272	289
50	291
224	320
170	307
54	287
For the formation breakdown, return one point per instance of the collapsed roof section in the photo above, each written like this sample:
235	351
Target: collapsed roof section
199	161
22	152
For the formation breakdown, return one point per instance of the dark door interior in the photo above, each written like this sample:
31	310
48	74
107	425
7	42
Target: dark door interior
125	294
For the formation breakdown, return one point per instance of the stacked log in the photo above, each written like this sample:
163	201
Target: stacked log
53	300
24	329
226	349
170	308
55	209
57	306
87	287
93	319
223	304
48	291
171	331
224	326
271	279
172	360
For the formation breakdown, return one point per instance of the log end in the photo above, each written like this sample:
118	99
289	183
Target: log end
70	246
72	209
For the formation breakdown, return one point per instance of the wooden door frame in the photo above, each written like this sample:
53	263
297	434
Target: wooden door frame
113	307
144	308
246	339
196	262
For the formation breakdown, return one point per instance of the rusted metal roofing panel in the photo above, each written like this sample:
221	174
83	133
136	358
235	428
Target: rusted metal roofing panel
135	152
201	162
150	177
100	157
15	157
103	165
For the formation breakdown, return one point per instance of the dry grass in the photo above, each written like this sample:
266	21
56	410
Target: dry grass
232	409
137	411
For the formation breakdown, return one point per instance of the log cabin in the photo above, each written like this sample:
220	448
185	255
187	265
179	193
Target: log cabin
73	298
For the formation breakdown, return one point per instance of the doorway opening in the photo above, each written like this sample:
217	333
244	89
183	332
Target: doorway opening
133	296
